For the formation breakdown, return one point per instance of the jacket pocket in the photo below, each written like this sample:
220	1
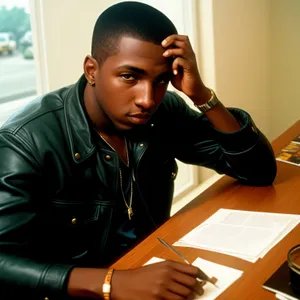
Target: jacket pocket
73	215
76	229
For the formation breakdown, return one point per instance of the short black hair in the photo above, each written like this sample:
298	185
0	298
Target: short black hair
132	19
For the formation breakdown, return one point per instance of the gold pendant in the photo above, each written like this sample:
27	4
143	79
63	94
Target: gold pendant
130	212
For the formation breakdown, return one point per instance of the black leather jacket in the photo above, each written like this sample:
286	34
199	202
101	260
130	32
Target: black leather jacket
58	191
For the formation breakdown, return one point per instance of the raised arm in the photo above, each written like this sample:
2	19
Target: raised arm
225	140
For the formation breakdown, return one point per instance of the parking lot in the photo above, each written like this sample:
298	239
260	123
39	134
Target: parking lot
17	77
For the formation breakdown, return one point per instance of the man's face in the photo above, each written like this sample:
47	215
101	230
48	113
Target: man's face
130	85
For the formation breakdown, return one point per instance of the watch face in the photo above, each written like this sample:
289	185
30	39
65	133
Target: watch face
106	288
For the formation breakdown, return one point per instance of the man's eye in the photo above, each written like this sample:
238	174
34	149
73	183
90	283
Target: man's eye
128	77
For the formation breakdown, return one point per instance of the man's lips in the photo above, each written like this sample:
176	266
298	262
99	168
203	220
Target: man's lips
139	118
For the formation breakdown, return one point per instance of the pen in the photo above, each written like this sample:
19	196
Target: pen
201	276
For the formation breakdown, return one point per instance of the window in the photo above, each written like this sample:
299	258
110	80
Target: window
17	64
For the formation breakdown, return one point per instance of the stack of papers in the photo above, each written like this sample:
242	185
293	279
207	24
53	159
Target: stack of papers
244	234
225	275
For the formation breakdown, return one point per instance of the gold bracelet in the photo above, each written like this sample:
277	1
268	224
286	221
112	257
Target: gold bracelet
106	288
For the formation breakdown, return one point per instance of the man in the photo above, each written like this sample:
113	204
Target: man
88	171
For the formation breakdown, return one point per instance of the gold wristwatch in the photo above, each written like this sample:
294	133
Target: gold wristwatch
213	101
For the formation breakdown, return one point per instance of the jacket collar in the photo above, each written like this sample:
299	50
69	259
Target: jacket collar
80	138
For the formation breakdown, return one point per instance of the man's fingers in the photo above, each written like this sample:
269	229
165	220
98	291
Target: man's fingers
185	268
179	44
180	290
188	281
174	52
168	295
177	63
180	49
175	37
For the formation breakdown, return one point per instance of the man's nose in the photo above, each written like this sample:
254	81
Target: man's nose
145	97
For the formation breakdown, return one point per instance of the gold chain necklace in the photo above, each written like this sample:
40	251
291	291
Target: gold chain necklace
128	206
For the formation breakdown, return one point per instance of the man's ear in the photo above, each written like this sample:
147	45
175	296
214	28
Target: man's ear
90	67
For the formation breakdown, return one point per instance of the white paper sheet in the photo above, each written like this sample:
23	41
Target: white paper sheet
225	275
244	234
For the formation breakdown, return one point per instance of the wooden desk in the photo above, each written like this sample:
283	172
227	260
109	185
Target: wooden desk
282	197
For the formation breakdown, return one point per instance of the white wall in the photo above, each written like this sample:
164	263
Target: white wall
250	55
241	56
285	66
234	45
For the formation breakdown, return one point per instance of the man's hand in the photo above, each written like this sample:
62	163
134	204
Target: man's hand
187	80
186	75
166	280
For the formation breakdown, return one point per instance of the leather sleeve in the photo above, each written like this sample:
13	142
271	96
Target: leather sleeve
21	273
245	155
